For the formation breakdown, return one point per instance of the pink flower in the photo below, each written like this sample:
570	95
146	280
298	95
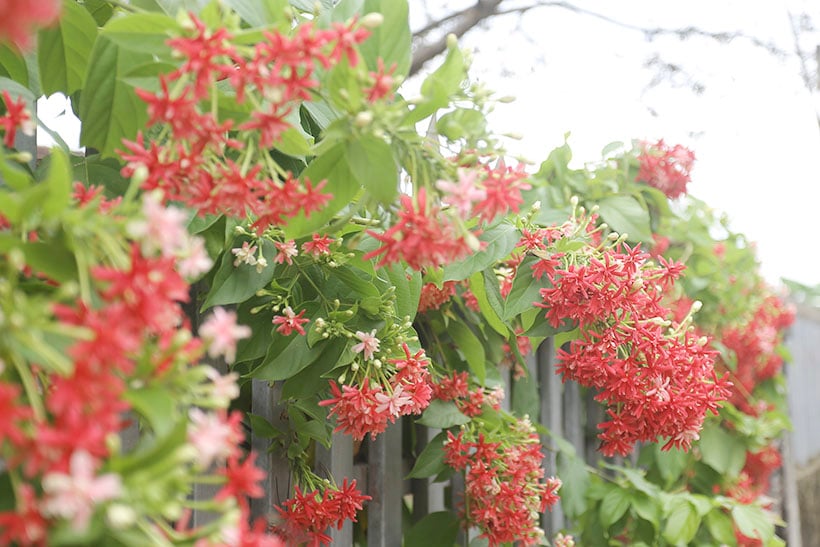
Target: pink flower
464	193
215	435
221	332
194	260
393	403
224	386
290	321
317	246
162	229
74	495
369	344
244	255
287	251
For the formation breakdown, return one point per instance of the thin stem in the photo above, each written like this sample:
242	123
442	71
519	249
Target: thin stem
30	388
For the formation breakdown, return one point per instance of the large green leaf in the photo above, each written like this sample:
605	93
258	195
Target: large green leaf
391	40
471	347
408	289
439	529
722	451
234	284
109	108
58	183
156	405
625	215
333	167
63	50
489	310
431	460
143	32
442	414
440	85
682	524
497	243
753	522
614	505
259	13
12	64
372	163
281	365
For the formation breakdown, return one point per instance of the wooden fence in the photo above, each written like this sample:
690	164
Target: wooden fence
380	469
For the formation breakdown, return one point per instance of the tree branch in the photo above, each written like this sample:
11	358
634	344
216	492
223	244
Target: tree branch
466	19
463	21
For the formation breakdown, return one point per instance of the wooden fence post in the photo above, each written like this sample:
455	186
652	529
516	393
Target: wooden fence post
338	462
385	485
265	402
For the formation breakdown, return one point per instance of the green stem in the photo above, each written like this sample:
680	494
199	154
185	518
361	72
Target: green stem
30	388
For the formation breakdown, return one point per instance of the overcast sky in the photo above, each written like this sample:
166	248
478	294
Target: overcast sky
753	127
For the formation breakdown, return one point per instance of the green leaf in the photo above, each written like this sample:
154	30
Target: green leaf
390	41
286	364
625	215
462	122
52	259
525	291
471	347
431	460
313	379
497	243
63	50
58	183
440	85
753	522
614	505
573	471
525	399
720	526
234	284
408	289
144	32
12	64
109	108
156	405
487	310
671	463
333	167
682	524
722	451
293	143
259	13
439	529
648	508
373	165
442	414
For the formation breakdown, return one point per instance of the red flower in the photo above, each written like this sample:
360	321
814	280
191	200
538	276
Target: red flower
17	115
290	321
242	479
421	236
12	413
20	19
665	168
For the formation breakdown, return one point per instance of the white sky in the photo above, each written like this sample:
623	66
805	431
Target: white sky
753	129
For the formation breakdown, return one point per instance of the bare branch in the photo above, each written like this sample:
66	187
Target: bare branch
462	21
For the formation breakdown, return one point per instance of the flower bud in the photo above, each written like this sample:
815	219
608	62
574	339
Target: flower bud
372	20
363	119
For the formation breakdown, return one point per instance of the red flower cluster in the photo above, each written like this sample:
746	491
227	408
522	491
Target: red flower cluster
470	402
20	19
504	490
666	168
192	167
755	345
502	187
432	297
369	407
656	377
422	236
17	115
307	516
